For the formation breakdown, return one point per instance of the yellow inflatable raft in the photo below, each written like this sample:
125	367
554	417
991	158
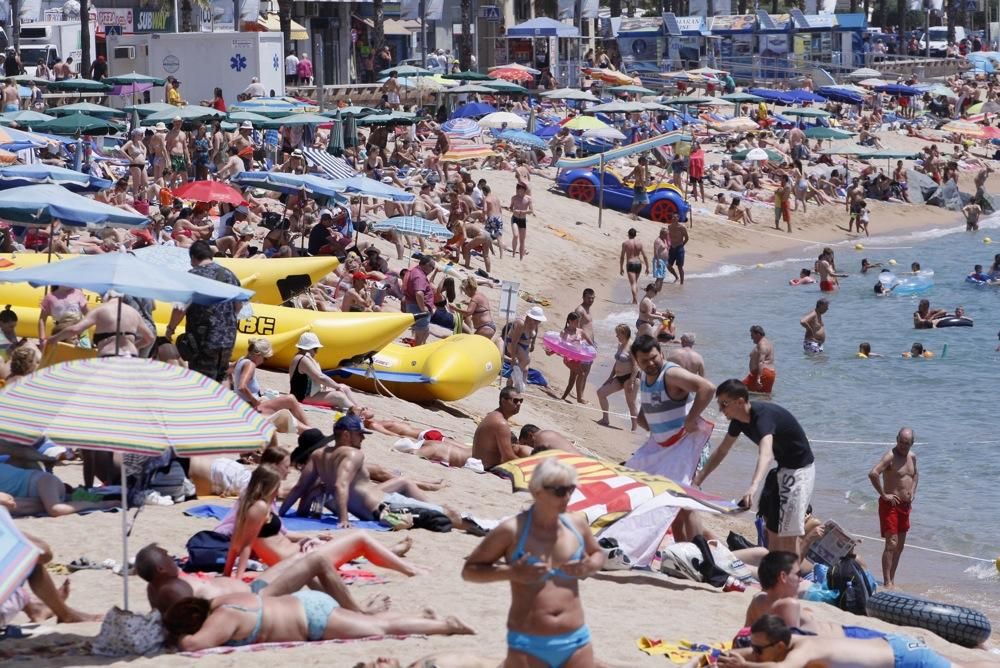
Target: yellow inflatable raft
448	370
345	336
267	278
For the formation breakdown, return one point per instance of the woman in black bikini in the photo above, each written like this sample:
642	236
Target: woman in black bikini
477	313
622	377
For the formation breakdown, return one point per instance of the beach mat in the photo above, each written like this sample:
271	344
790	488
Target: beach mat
683	651
281	645
290	522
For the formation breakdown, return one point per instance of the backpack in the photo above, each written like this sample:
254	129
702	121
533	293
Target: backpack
207	552
849	579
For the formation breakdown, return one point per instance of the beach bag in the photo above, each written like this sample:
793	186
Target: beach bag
680	561
207	552
849	579
728	562
125	633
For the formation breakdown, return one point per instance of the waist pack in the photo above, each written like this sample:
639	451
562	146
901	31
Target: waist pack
207	552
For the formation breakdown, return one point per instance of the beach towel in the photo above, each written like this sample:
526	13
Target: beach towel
535	376
282	645
683	651
290	522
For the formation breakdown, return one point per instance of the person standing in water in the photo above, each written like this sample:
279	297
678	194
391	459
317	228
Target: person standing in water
631	261
812	322
895	479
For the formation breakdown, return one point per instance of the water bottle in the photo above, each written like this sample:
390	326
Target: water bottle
850	597
316	508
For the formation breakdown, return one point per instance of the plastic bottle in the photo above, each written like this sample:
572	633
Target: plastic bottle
850	597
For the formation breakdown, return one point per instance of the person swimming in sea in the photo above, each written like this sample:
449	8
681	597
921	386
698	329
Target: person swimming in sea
865	351
866	265
883	287
977	275
805	278
917	351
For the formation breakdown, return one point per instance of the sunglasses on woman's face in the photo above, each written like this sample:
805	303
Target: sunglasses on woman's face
561	490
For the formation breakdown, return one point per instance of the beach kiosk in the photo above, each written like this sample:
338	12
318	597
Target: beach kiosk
813	40
551	44
774	38
640	40
689	42
736	46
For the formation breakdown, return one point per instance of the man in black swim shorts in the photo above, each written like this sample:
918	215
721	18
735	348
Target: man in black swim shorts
631	261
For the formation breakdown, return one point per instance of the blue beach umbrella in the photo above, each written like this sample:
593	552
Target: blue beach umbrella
366	187
27	175
473	110
412	226
44	204
290	183
523	138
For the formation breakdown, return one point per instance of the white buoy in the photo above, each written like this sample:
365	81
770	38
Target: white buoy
859	246
892	262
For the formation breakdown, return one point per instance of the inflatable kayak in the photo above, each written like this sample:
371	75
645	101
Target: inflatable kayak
954	623
345	336
910	285
272	281
568	350
447	370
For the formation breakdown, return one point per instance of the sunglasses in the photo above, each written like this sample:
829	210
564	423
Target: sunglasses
723	404
516	401
561	490
759	649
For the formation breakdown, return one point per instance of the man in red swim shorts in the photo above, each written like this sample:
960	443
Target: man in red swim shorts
762	371
895	479
827	276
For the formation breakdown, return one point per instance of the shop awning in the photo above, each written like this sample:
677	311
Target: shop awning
271	23
392	27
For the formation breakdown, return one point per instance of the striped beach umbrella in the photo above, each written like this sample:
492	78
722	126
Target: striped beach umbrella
18	556
135	405
462	128
413	226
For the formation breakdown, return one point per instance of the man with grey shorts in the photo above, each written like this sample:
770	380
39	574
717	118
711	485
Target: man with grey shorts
779	438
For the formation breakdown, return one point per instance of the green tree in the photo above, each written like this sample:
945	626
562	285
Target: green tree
85	37
377	40
465	47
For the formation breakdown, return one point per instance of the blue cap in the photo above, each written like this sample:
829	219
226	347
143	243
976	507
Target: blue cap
350	422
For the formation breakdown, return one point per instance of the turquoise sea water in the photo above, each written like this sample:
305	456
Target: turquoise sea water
852	408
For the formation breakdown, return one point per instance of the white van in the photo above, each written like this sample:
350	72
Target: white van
939	39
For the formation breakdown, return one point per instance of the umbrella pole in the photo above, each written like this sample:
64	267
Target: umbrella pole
600	195
118	327
125	568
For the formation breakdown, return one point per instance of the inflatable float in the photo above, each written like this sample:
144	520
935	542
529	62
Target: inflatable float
446	370
953	322
345	336
911	285
568	350
272	281
954	623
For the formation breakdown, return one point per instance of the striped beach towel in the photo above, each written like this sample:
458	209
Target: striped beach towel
331	166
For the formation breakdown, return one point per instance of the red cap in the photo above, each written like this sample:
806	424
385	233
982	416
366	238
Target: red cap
359	276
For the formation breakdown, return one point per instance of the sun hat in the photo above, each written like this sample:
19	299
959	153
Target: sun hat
160	127
246	125
308	341
178	119
536	313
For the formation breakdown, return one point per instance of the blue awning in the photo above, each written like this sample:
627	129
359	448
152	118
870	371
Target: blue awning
543	27
851	22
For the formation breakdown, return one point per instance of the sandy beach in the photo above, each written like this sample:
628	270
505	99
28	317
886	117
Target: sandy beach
567	253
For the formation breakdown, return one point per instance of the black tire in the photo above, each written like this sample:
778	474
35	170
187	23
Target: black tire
962	626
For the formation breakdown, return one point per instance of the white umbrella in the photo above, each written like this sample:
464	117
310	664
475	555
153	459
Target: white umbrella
756	155
706	70
499	119
604	133
618	107
470	88
874	81
570	94
864	73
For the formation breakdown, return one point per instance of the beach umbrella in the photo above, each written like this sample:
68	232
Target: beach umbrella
350	130
27	80
89	108
294	120
532	120
738	124
570	94
210	191
505	87
274	107
413	226
473	110
613	77
685	100
352	110
465	152
240	116
899	89
467	76
656	106
807	112
516	66
822	132
130	405
758	155
584	123
937	90
719	102
18	140
511	74
631	89
43	204
406	71
609	133
742	97
988	107
469	89
17	176
462	128
335	145
289	183
366	187
148	108
26	117
688	77
522	138
18	556
133	78
616	107
873	82
706	70
188	114
864	73
499	119
79	124
79	86
393	118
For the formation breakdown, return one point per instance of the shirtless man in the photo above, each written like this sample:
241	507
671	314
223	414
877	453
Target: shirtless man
640	197
11	99
357	299
158	150
632	259
492	211
675	256
491	443
520	206
427	207
687	357
523	175
166	583
661	252
391	89
427	443
107	319
180	155
233	165
855	195
924	316
477	238
762	372
135	150
586	325
812	322
980	181
972	211
540	440
895	479
783	204
827	274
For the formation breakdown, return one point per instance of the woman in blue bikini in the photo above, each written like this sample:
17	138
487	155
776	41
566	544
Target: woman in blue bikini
547	552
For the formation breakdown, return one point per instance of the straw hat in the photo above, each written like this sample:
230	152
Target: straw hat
160	127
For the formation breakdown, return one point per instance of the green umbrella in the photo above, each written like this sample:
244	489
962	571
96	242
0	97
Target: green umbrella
890	154
78	124
27	80
502	86
394	118
88	108
467	76
807	112
689	99
772	156
190	113
335	146
240	116
26	117
149	108
134	78
350	111
79	86
296	119
407	71
631	89
742	97
820	132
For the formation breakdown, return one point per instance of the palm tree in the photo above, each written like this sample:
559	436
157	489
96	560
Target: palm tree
378	21
465	50
85	37
901	8
284	21
15	26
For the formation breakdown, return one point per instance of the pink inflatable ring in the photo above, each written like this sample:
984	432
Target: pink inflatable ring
574	352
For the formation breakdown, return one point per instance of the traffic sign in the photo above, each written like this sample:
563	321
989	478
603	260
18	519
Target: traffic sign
490	13
112	30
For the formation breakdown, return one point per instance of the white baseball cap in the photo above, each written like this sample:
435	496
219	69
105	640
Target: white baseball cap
308	341
536	313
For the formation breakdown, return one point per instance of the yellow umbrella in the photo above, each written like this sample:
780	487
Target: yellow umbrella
965	128
585	123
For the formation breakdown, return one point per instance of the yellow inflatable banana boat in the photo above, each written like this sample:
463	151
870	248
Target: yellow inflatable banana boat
269	279
345	336
448	370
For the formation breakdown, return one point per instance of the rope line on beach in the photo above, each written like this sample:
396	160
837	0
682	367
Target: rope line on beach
928	549
581	406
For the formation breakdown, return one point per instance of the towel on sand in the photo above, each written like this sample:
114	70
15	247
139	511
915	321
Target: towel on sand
290	522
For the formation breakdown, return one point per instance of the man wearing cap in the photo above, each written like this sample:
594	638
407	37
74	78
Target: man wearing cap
255	89
492	443
357	298
180	155
174	93
329	238
243	143
418	297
